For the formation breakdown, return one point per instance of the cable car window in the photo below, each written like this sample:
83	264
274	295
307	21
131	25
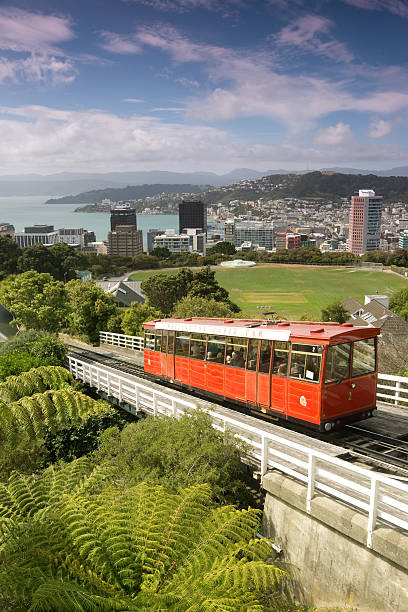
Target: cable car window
182	344
236	352
337	363
280	358
216	349
164	342
149	340
265	356
170	342
364	357
252	354
197	346
158	340
306	361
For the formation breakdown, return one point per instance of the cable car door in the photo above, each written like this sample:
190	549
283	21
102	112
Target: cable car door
170	355
263	374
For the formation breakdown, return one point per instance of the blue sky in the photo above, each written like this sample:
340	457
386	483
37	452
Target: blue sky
185	85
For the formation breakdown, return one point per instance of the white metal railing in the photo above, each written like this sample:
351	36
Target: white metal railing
380	497
135	343
391	389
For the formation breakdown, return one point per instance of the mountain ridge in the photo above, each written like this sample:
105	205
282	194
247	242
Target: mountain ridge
63	183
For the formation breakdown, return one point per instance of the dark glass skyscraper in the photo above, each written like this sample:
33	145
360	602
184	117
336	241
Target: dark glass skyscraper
192	214
123	215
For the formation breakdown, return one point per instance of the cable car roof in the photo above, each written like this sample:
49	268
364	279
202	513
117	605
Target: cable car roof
268	330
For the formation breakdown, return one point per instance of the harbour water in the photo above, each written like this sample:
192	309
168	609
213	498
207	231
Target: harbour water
30	210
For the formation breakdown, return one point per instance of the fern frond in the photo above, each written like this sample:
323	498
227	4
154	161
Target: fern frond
70	597
36	380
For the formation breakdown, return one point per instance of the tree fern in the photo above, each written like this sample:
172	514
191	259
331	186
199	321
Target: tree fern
50	411
140	549
25	496
36	380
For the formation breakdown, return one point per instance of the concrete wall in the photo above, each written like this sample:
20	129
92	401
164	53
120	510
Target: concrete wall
326	555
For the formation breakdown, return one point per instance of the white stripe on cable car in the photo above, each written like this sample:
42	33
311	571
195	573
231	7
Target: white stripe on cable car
221	330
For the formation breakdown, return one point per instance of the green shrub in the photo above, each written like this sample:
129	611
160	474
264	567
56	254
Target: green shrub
47	347
178	453
16	363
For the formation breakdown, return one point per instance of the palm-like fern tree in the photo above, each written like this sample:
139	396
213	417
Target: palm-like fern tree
36	380
142	549
50	411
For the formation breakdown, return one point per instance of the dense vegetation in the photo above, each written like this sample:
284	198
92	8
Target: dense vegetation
331	185
134	521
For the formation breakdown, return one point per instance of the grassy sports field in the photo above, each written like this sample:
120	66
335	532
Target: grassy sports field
292	290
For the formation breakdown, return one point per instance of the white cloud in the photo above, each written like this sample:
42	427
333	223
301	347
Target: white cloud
379	128
119	44
35	35
396	7
311	33
38	68
187	5
334	134
46	140
28	31
253	85
173	109
132	100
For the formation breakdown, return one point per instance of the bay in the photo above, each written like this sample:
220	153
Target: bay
22	211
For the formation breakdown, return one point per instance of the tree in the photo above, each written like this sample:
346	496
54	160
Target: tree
39	258
202	307
144	262
89	309
134	317
67	260
399	303
226	248
36	301
139	549
9	254
164	291
161	252
177	453
335	312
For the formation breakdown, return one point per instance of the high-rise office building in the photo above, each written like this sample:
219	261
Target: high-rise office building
125	241
365	222
123	214
124	238
193	215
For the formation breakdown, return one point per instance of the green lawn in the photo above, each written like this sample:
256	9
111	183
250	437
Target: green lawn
292	290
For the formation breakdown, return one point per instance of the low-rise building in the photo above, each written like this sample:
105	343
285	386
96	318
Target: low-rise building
7	229
192	241
124	292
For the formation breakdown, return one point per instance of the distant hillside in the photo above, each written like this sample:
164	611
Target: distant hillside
330	185
126	193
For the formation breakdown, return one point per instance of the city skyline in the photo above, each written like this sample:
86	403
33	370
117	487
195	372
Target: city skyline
188	85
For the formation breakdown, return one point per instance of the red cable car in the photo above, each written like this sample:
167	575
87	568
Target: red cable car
319	374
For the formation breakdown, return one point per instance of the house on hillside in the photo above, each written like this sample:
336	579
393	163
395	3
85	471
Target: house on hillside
124	292
375	312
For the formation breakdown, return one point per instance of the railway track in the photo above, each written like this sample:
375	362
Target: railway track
377	450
